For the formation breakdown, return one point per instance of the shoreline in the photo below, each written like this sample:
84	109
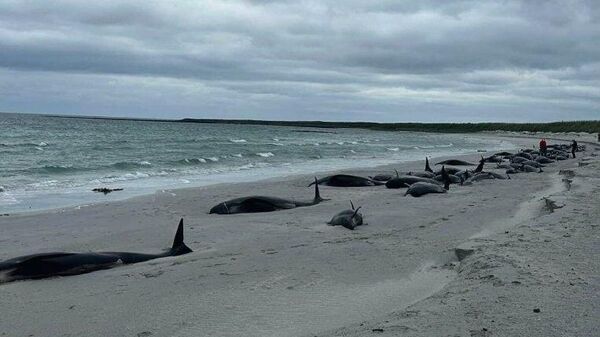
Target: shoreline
283	273
115	197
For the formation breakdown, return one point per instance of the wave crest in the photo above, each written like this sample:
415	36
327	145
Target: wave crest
126	165
265	154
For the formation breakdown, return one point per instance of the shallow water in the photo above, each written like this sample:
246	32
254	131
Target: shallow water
49	162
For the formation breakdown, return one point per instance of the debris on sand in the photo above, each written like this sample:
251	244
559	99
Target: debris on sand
106	190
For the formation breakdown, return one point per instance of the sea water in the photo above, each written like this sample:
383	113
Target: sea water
48	162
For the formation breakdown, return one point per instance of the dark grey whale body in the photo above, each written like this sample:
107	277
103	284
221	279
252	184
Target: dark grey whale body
258	203
346	180
349	218
424	174
406	181
39	266
421	188
455	162
382	177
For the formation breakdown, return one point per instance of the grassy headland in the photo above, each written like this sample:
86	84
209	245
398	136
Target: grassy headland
571	126
591	126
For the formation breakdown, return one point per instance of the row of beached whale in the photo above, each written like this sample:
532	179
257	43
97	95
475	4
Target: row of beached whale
46	265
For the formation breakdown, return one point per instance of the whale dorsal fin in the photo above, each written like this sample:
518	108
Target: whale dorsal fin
178	241
317	194
446	178
427	168
479	167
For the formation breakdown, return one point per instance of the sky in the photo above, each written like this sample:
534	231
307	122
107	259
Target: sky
353	60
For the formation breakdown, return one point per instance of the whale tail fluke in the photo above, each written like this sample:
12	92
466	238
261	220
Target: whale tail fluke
179	247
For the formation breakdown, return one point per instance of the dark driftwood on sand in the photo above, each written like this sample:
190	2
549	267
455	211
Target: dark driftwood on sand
106	190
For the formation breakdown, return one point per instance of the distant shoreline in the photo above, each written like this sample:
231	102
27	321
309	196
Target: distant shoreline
590	126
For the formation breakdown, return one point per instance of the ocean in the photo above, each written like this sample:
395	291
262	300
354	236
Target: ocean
50	162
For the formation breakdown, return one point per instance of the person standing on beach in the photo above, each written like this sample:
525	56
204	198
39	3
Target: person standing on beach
543	147
573	147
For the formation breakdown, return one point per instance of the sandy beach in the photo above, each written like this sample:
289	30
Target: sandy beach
528	266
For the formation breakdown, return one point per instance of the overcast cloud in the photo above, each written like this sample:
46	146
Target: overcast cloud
383	60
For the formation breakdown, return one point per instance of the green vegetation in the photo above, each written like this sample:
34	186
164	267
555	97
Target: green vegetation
566	126
573	126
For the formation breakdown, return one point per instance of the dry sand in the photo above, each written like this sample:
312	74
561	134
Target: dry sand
287	273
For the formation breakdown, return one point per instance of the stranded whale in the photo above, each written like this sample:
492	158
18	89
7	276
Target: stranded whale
455	162
257	203
421	188
346	180
46	265
349	218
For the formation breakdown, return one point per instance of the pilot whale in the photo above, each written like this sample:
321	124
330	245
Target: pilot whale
349	218
45	265
258	203
455	162
346	180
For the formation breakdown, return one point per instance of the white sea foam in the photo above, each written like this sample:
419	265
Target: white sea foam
265	154
45	183
239	155
123	177
8	199
213	159
238	140
194	160
395	149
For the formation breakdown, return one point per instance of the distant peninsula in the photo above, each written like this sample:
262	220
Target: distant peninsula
590	126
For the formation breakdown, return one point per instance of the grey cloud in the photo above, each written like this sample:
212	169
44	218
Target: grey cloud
290	59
